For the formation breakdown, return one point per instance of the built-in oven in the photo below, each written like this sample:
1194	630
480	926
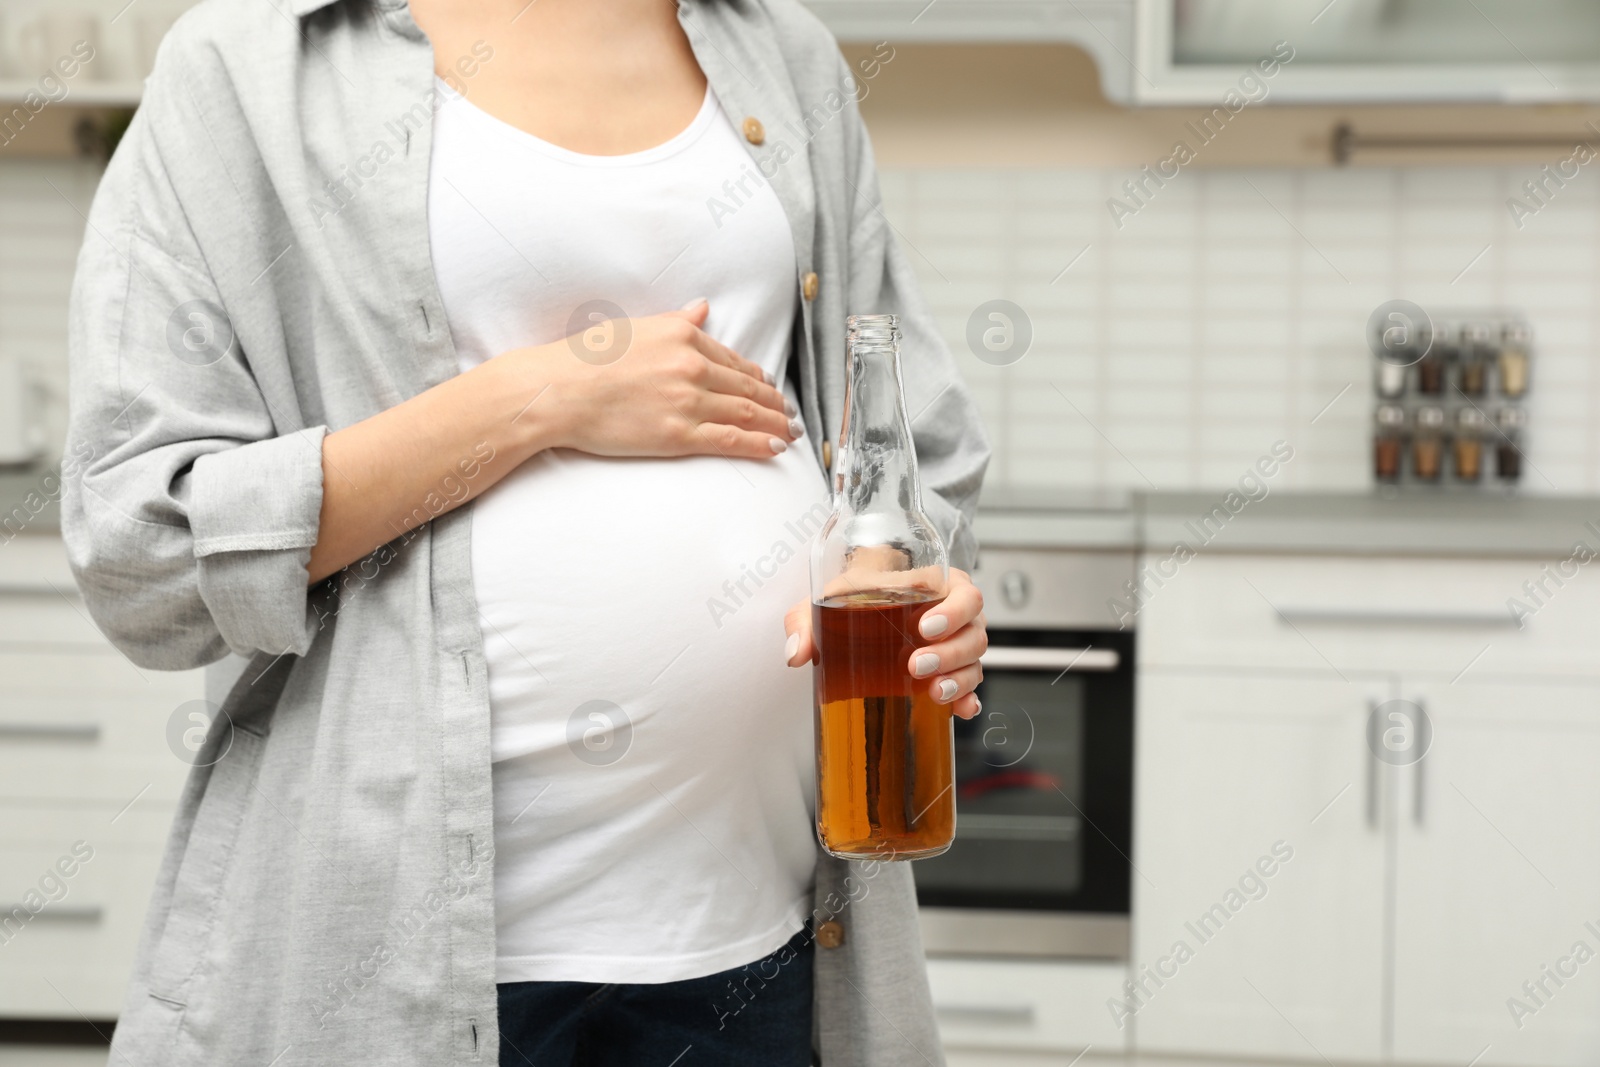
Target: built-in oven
1044	774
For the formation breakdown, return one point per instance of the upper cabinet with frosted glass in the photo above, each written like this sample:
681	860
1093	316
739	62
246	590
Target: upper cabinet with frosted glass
1498	51
1194	51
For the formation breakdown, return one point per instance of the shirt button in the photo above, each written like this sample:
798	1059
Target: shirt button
827	455
754	132
808	286
830	935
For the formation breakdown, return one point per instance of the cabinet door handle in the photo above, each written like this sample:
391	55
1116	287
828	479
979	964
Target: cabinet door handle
1418	780
49	731
1493	618
1372	771
986	1014
1001	657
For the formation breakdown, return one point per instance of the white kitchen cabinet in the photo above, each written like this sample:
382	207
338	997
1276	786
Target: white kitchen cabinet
85	725
70	958
1433	890
1497	872
1026	1004
1330	615
1229	766
86	755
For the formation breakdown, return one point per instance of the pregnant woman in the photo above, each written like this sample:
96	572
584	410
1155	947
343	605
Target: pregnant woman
468	370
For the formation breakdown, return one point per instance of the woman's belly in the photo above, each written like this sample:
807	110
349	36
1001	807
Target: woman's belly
652	752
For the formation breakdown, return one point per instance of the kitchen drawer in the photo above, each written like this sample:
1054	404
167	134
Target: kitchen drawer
36	562
1350	615
47	619
1026	1004
141	824
39	601
89	725
72	957
83	944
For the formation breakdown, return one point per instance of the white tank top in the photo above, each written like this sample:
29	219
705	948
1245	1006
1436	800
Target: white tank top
653	765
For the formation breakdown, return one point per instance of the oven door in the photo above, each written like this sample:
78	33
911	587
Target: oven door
1044	798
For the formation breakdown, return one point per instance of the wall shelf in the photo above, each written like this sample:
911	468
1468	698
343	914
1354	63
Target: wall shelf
80	93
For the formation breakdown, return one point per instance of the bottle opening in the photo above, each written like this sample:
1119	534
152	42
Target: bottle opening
872	329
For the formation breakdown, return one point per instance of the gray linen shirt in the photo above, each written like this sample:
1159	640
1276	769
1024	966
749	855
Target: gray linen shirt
256	272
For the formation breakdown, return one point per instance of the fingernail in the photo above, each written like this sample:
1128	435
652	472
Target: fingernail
977	706
927	663
691	305
789	409
791	646
947	691
796	428
933	625
777	445
767	377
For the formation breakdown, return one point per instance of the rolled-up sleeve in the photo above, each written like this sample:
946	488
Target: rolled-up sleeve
253	514
195	499
952	448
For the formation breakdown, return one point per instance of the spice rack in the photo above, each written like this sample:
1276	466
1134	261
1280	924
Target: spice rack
1450	408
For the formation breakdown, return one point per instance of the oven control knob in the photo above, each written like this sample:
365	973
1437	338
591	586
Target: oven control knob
1015	589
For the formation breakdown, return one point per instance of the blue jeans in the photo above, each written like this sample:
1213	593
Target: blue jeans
758	1015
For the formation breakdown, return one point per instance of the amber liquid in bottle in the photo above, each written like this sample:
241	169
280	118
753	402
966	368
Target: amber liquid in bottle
885	748
885	763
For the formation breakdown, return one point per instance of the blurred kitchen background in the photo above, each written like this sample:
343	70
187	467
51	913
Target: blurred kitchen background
1291	745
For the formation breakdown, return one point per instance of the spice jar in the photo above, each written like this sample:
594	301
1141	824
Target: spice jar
1514	358
1467	446
1430	373
1472	368
1391	379
1388	442
1508	453
1427	446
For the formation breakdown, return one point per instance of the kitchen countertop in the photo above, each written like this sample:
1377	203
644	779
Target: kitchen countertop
1378	523
1383	523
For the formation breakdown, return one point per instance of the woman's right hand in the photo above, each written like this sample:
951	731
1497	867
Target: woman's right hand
670	391
673	391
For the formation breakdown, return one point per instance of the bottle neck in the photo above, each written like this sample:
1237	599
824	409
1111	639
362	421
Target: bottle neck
878	471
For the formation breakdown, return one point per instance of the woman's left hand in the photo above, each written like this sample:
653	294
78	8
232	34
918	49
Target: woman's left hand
957	634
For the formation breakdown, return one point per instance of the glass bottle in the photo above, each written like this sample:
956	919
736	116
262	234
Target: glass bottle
1427	446
885	748
1388	443
1473	365
1514	357
1508	453
1468	444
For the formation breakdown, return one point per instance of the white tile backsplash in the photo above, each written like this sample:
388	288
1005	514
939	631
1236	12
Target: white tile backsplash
1174	351
1229	311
